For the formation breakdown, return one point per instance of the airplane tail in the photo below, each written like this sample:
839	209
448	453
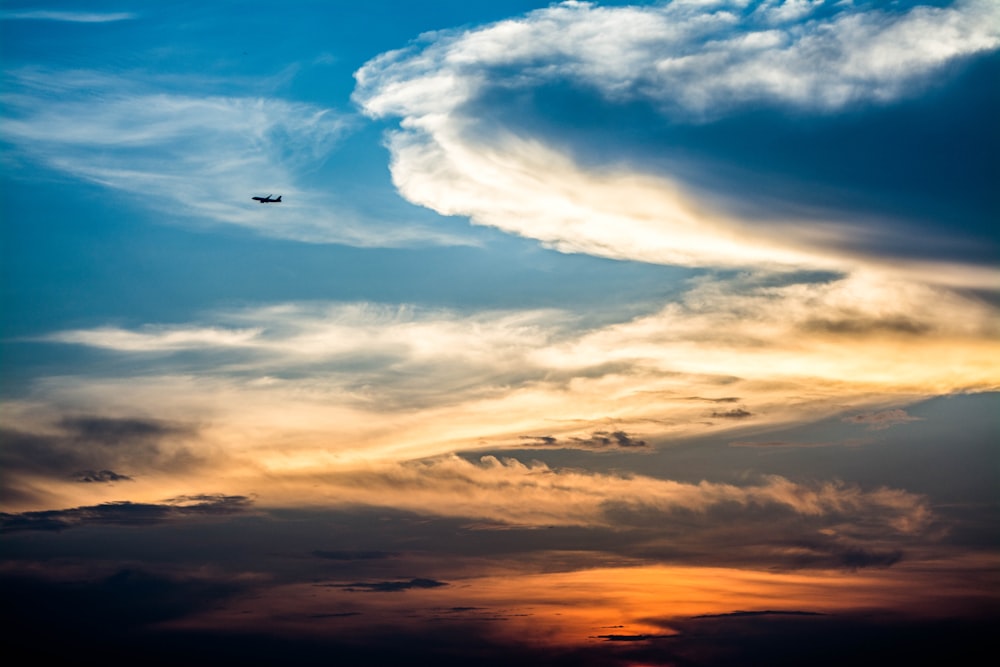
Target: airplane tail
278	199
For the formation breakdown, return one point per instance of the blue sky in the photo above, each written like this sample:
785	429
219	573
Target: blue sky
630	300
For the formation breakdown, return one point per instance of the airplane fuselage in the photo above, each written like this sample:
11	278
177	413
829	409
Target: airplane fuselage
267	199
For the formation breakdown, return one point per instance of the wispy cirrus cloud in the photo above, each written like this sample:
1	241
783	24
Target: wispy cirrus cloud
728	317
63	15
727	355
158	338
199	155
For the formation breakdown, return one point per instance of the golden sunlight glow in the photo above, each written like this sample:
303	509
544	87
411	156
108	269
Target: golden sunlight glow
586	606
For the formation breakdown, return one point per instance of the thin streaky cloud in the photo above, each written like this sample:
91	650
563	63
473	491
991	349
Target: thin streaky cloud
893	326
68	16
157	339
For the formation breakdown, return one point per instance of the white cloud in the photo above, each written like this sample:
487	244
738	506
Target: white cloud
199	158
780	11
156	339
69	16
695	63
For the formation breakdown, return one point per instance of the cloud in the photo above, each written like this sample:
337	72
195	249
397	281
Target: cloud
765	612
516	493
693	61
632	638
69	16
598	440
825	639
157	339
855	558
370	348
100	476
120	431
53	460
463	146
779	443
735	413
354	555
196	157
718	326
89	447
389	586
781	11
878	421
125	513
292	386
723	399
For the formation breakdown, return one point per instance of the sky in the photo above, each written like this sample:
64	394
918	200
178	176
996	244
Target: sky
663	333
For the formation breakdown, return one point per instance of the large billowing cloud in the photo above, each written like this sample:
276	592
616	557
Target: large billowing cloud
458	151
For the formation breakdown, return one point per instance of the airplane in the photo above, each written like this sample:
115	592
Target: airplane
268	200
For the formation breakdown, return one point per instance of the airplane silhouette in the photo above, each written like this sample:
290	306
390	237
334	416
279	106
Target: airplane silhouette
268	200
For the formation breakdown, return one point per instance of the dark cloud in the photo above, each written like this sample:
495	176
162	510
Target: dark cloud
862	325
100	476
878	421
766	612
210	503
777	443
119	432
724	399
735	413
125	513
764	536
342	614
632	638
450	635
354	555
388	586
127	598
598	440
857	558
793	638
76	447
541	440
